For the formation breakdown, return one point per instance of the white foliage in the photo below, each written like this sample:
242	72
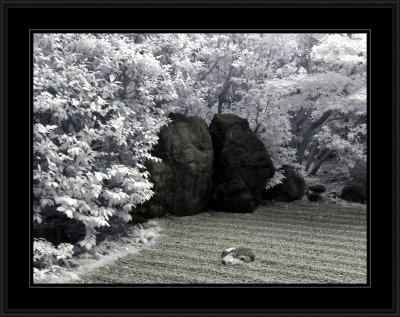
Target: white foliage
276	179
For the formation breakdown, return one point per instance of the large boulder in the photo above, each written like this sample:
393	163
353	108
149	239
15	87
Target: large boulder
355	190
183	180
291	188
242	165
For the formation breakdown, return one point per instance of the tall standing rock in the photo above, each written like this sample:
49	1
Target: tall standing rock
242	165
183	180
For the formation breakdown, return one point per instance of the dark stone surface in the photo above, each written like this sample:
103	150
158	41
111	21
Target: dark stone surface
355	190
233	196
317	188
313	196
183	180
241	253
242	165
137	218
292	187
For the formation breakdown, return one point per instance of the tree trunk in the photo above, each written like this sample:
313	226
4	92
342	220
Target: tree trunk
318	164
309	134
299	118
315	168
311	157
222	95
220	103
256	128
228	83
210	70
297	121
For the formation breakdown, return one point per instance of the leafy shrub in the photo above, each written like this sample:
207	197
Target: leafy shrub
46	254
95	122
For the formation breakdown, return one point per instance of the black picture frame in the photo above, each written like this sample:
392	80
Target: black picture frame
380	18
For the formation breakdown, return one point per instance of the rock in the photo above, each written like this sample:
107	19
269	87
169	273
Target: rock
242	165
237	255
183	180
317	188
313	196
292	187
233	196
355	190
314	192
137	218
333	194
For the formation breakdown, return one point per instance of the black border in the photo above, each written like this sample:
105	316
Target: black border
16	298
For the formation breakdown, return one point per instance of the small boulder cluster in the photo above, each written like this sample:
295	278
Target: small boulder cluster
314	192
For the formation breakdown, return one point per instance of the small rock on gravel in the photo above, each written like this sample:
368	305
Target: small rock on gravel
237	255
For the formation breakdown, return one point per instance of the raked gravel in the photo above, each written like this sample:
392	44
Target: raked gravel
296	243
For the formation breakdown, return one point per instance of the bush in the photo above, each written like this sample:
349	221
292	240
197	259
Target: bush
95	122
46	254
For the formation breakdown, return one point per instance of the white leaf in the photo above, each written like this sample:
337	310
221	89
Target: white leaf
40	127
99	176
112	77
69	213
100	101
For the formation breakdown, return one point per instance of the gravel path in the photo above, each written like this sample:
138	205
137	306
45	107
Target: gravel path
294	243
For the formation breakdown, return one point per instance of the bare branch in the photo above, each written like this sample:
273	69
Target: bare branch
210	70
337	118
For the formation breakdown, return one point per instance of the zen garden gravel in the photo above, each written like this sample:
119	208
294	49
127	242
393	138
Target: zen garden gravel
296	243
